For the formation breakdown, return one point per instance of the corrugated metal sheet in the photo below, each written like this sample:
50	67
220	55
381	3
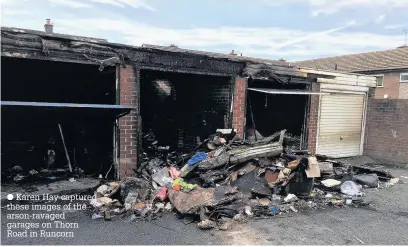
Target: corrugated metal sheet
340	124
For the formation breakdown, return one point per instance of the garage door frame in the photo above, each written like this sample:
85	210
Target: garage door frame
363	124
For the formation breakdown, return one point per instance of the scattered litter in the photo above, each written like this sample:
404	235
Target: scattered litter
33	172
290	198
72	180
394	180
293	209
370	180
331	182
275	210
207	224
350	188
162	194
162	177
168	206
359	240
264	201
313	170
97	216
180	184
248	210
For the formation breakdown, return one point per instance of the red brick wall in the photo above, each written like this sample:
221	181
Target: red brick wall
313	118
128	123
386	135
238	110
391	86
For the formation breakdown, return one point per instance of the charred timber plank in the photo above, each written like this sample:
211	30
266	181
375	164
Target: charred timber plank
241	155
30	53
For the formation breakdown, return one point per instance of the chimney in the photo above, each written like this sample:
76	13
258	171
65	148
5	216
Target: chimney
233	52
48	27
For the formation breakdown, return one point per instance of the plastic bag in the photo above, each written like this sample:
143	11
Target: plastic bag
371	180
350	188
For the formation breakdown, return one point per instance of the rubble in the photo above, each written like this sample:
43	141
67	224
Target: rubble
226	179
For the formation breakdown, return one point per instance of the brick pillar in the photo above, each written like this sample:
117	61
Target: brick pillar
128	123
238	108
313	118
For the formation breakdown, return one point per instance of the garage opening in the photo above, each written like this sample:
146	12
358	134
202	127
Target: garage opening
37	97
272	107
183	109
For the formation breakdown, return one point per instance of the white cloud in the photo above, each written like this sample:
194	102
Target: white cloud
122	3
380	19
15	12
397	26
291	44
330	6
111	2
295	43
70	3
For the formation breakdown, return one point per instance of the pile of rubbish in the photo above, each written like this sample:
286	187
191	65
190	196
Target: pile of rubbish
227	180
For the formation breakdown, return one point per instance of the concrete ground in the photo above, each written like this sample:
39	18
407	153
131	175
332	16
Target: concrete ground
61	187
383	223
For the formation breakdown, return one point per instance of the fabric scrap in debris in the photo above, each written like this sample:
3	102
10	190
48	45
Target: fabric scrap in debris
183	185
174	173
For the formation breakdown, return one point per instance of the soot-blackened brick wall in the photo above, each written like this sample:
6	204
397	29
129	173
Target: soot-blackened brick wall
128	124
238	111
212	99
386	135
313	118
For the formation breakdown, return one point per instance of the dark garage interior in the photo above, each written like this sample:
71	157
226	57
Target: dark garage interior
274	112
31	136
183	109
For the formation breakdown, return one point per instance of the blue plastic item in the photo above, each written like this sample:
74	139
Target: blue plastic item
199	156
274	210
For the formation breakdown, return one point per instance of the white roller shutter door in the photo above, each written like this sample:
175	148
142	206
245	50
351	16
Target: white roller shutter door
340	124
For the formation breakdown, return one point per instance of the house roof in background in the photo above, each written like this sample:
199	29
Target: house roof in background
361	62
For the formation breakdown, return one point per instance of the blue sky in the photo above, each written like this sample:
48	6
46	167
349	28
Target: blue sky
289	29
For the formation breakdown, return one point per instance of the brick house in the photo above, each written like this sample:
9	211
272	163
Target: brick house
389	66
387	116
110	94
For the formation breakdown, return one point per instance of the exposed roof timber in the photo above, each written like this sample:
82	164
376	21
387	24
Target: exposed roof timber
293	92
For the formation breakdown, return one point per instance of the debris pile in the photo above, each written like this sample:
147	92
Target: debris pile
18	175
226	180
